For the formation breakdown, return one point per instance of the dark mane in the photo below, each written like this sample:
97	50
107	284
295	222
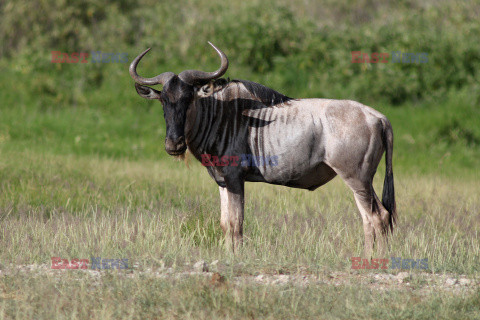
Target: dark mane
266	95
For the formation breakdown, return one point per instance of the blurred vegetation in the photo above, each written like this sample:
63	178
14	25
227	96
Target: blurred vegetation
300	48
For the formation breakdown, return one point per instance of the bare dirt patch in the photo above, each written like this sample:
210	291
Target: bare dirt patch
214	273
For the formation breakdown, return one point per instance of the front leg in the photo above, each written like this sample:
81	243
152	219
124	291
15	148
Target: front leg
232	207
224	220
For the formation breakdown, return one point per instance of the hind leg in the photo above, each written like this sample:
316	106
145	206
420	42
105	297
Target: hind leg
368	226
384	219
357	169
373	216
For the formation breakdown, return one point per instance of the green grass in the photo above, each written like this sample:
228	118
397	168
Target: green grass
160	214
63	205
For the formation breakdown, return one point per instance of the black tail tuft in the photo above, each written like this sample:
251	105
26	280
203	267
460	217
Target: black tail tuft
388	196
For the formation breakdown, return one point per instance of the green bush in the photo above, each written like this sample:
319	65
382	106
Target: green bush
300	49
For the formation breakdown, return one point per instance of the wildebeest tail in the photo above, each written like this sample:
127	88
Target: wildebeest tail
388	196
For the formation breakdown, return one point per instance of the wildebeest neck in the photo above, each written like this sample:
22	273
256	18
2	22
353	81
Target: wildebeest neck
219	124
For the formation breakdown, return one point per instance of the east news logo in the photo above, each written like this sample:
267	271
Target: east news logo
97	263
397	263
97	57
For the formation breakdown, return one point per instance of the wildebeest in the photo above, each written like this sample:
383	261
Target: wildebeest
313	140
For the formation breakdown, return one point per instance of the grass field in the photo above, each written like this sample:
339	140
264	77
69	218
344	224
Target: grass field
164	218
82	182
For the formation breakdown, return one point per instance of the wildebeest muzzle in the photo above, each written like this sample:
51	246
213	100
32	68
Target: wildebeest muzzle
175	147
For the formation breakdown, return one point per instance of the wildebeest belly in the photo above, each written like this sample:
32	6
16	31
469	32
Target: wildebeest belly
293	137
311	179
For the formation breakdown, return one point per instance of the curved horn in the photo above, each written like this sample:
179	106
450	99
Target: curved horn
160	79
193	76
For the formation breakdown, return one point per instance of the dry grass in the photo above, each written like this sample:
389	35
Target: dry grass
164	215
145	210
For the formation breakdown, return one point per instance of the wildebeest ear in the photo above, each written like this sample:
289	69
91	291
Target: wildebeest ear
147	92
206	90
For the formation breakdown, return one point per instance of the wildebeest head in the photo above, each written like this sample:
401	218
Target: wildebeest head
177	96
